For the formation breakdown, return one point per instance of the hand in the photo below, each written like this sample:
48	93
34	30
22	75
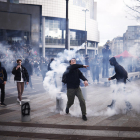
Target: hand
27	83
86	83
4	82
17	67
109	79
85	66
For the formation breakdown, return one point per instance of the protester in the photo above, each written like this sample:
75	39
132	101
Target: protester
3	79
29	69
121	76
106	52
72	77
21	76
43	69
49	65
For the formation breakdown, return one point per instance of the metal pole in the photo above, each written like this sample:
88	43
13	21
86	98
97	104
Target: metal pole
67	27
85	32
43	36
86	36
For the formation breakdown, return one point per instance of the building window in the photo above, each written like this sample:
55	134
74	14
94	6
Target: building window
81	3
14	1
3	0
77	38
53	32
91	44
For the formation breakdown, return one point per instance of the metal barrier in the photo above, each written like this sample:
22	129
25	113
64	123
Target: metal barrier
59	102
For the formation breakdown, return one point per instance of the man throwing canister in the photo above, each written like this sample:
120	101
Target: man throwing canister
72	77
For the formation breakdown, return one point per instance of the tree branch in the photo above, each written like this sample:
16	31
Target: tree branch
131	8
138	0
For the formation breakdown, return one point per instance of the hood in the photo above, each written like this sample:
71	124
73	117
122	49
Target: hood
26	60
113	61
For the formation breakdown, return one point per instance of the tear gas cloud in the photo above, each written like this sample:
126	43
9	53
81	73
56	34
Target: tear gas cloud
53	85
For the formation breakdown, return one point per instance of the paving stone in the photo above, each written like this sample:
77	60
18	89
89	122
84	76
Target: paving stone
129	134
97	133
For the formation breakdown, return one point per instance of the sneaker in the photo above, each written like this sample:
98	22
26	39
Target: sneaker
17	99
84	117
3	104
20	102
67	110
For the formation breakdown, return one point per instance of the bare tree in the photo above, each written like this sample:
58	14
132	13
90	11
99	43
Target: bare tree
133	8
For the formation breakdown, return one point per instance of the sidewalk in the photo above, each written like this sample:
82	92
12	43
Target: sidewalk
47	124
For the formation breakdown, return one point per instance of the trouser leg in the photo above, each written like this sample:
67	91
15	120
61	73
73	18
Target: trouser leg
70	96
107	69
81	100
22	88
2	92
103	72
30	81
19	90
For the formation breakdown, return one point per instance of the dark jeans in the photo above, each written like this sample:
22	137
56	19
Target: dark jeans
2	87
30	82
105	70
71	93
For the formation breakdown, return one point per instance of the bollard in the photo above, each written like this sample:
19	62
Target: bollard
84	92
25	110
59	102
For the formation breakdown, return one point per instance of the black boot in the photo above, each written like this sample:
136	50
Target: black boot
67	110
84	117
112	105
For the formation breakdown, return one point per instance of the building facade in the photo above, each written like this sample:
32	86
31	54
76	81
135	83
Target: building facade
117	46
132	38
20	22
53	25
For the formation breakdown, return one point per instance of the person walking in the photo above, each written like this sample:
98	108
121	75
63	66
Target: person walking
44	69
29	69
72	77
3	79
120	75
21	76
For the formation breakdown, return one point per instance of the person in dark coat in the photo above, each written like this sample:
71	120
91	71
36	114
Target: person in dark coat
3	79
95	65
29	69
106	52
49	65
120	75
72	77
21	76
44	69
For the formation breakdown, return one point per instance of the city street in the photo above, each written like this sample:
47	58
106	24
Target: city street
46	123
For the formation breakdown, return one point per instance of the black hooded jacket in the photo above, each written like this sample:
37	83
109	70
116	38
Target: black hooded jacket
120	71
73	76
3	74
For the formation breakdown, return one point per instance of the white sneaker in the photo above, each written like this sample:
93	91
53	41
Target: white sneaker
18	100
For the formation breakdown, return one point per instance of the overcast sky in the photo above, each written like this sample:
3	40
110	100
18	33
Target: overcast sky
112	19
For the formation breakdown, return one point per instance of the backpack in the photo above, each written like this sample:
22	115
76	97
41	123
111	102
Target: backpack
1	76
125	74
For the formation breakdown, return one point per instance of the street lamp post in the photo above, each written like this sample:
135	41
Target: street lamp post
67	26
85	32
